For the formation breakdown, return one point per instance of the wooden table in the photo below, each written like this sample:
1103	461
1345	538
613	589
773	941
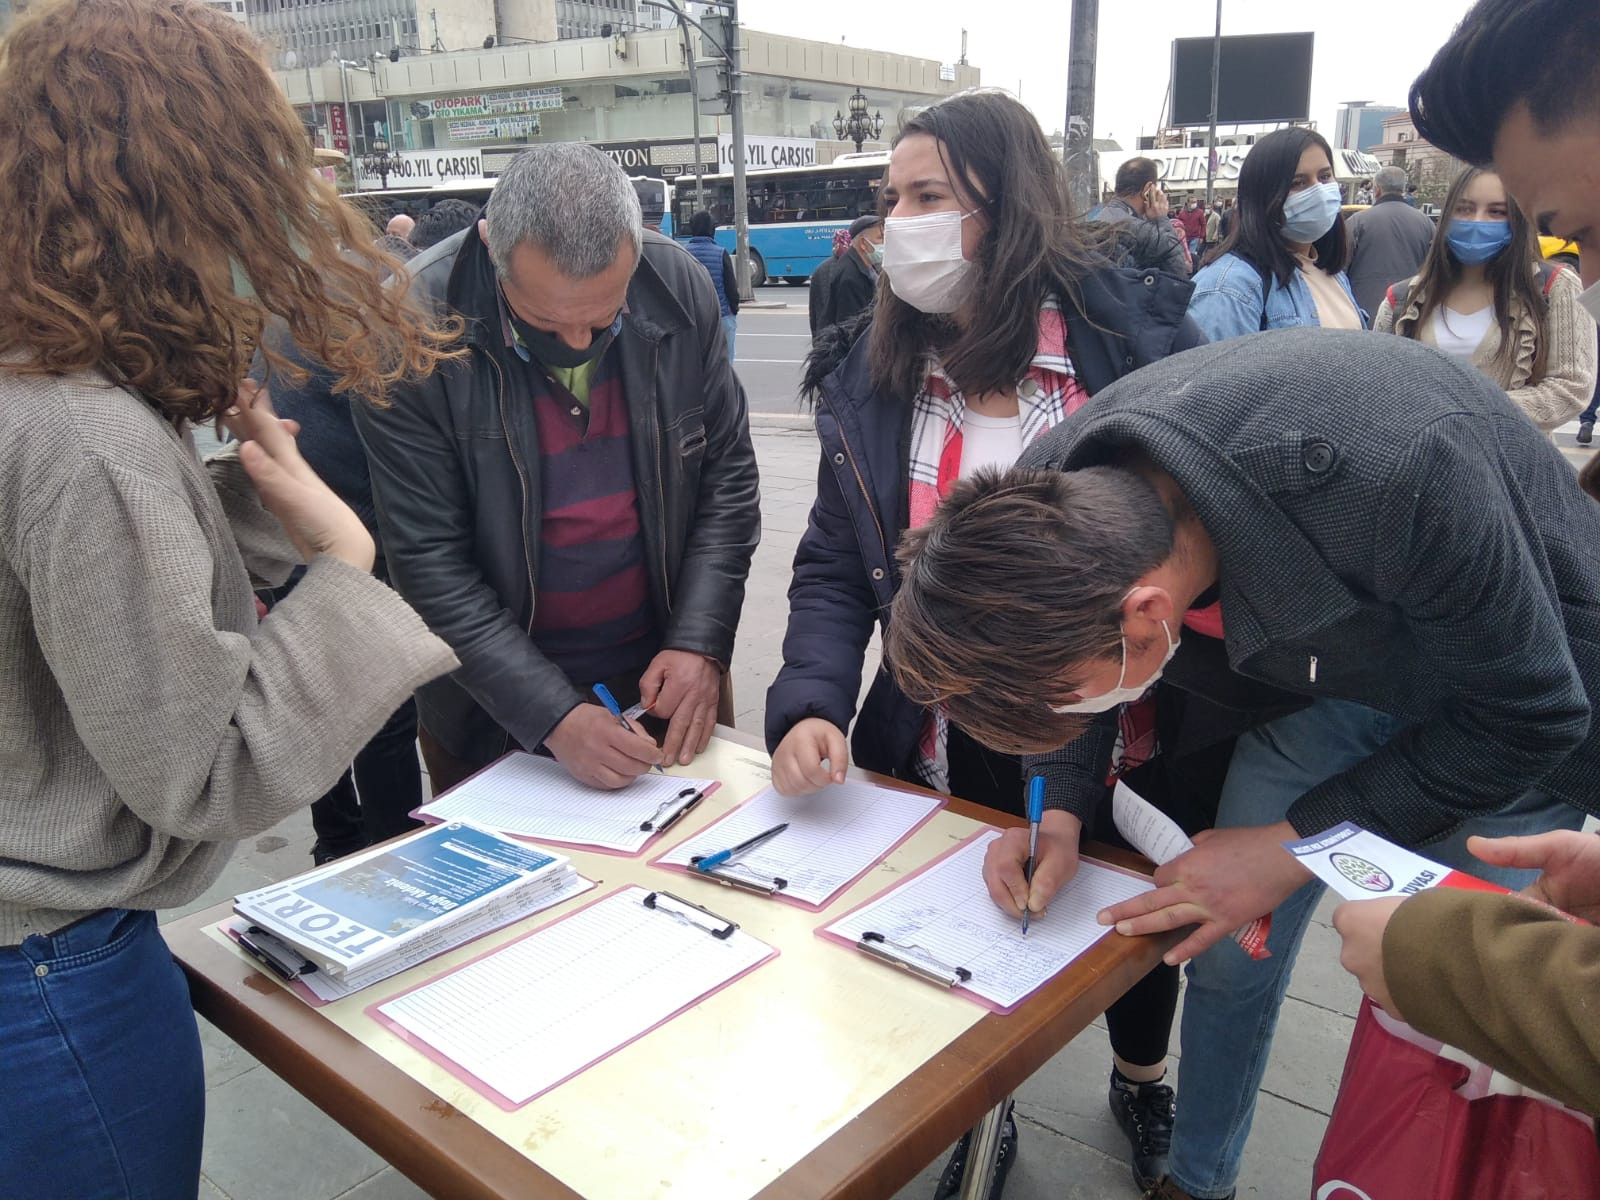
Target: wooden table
899	1128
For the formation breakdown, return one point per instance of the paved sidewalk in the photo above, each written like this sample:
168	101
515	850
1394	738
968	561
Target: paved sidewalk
264	1142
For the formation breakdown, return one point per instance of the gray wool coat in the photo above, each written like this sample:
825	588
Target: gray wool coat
1390	530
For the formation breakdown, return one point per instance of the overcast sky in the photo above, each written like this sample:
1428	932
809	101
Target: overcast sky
1365	49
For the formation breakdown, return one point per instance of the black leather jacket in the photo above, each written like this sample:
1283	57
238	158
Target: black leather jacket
455	462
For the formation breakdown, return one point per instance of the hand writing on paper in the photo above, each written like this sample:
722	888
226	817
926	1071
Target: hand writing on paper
681	688
1054	866
1231	877
594	747
797	763
316	520
1569	860
1361	924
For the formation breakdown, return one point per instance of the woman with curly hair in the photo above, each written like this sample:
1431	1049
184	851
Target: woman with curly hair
147	718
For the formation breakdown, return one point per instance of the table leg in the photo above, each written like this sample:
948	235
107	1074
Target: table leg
982	1152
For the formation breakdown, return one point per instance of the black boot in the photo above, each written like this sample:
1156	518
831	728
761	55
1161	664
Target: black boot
1145	1112
950	1181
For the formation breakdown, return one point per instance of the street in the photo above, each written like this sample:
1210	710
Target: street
770	348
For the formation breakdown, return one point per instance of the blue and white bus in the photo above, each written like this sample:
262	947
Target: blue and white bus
655	199
793	211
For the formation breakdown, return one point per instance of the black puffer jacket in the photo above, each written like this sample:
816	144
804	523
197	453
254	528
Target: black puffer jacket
844	574
1142	242
455	462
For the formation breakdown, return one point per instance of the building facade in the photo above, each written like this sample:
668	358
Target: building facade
630	90
586	18
311	33
1425	165
1359	125
1182	169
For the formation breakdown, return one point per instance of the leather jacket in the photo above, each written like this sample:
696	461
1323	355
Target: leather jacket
455	478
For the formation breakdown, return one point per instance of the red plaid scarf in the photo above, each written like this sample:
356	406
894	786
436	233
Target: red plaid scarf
1047	394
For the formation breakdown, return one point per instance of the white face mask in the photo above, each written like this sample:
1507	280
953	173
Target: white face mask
922	258
1589	298
1121	694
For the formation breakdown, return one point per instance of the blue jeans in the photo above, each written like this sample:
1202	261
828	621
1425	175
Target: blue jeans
102	1096
730	326
1231	1007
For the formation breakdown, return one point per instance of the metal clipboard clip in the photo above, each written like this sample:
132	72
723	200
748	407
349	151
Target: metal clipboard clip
912	959
720	928
762	885
685	800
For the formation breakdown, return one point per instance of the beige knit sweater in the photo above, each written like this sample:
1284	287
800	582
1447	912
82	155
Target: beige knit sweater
147	719
1567	384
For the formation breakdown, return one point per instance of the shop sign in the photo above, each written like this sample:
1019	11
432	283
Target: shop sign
488	104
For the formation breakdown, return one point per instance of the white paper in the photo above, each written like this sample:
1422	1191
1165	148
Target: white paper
1359	865
1145	827
534	797
944	918
541	1009
833	836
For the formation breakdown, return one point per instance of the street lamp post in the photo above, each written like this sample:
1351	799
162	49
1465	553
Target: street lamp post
858	127
694	101
1211	138
379	161
729	49
1082	173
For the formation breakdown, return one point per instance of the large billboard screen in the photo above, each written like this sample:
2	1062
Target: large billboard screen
1263	78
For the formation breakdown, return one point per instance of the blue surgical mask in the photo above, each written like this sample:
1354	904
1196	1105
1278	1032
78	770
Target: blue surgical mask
1476	242
1309	214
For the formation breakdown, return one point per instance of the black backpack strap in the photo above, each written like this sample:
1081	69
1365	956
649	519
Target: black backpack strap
1266	292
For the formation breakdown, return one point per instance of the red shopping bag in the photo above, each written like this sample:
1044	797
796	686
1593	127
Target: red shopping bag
1416	1120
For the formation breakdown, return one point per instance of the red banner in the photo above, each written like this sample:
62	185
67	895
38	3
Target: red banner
336	126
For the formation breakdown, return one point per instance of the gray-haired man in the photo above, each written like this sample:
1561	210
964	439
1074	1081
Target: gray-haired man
575	501
1387	242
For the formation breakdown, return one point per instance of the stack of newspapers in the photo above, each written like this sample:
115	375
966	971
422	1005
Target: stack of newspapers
369	916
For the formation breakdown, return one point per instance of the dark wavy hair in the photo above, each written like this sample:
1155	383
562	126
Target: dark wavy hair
1509	272
1545	53
1264	181
1014	589
1033	245
126	227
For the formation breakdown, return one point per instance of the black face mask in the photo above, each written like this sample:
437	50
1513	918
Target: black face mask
553	352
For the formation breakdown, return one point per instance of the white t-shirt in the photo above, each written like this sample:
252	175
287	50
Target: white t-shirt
1460	334
989	442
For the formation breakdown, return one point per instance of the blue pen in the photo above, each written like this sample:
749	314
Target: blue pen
1035	815
615	709
711	862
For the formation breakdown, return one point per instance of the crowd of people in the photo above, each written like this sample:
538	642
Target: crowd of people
1128	499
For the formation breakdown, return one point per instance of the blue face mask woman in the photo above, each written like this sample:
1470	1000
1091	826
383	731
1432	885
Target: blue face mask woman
1486	298
1282	264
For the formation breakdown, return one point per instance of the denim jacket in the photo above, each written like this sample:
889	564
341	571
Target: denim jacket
1227	300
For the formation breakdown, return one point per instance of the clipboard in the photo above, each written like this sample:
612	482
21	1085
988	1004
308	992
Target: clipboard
800	866
571	993
643	811
939	926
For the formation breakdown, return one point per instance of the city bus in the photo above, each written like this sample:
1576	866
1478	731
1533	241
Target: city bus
655	200
793	211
